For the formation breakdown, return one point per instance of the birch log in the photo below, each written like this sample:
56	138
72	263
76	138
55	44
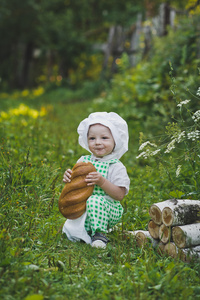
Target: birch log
161	248
143	237
164	233
180	212
155	212
189	254
171	249
187	235
153	229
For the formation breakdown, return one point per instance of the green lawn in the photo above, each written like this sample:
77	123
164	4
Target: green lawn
38	142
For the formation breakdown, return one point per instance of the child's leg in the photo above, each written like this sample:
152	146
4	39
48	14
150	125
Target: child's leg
102	213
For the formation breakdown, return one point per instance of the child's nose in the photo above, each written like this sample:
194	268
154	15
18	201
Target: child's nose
98	141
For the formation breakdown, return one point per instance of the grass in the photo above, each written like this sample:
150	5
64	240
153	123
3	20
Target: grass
37	262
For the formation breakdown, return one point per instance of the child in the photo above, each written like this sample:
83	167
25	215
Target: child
105	136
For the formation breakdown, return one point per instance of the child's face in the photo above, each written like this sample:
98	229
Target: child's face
100	140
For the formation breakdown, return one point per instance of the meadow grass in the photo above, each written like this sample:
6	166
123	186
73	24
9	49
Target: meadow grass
38	142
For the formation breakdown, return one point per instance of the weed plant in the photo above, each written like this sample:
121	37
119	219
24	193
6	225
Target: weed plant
38	142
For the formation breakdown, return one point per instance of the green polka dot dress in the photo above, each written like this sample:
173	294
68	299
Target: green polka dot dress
102	213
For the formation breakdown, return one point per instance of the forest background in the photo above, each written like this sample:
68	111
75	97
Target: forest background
56	68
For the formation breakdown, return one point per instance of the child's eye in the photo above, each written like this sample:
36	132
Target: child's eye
105	137
91	138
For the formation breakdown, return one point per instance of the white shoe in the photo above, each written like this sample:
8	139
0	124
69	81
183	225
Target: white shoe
99	244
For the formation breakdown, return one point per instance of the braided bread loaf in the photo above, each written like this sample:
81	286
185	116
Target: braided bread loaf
72	201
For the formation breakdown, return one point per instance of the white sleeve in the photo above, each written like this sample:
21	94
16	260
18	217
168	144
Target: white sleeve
117	174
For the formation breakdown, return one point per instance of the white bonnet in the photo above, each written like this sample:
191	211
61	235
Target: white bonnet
114	122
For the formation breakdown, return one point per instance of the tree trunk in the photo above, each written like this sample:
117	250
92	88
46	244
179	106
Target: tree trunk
135	40
181	212
109	47
26	65
187	235
164	18
164	233
147	41
153	229
118	46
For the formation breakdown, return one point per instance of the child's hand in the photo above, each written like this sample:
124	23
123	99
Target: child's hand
67	175
95	178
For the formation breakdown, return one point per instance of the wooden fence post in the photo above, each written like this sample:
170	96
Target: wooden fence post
108	49
134	43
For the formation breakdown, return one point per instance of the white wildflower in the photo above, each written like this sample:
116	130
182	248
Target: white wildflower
170	146
198	92
147	153
178	170
196	116
155	152
183	103
180	137
193	135
145	144
144	154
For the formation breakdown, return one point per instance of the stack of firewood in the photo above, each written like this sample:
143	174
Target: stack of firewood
174	228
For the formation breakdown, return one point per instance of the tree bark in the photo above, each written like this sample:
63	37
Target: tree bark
181	212
187	235
153	229
164	233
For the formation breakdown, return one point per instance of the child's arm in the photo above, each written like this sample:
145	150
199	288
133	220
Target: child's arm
114	191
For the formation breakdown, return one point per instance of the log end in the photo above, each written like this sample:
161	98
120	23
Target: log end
141	239
179	237
161	248
156	214
153	229
164	233
167	216
171	250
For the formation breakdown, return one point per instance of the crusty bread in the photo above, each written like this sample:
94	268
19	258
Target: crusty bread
72	201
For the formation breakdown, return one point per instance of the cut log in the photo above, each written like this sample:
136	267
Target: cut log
164	233
171	249
180	212
186	254
143	237
161	248
156	209
187	235
153	229
189	254
136	231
